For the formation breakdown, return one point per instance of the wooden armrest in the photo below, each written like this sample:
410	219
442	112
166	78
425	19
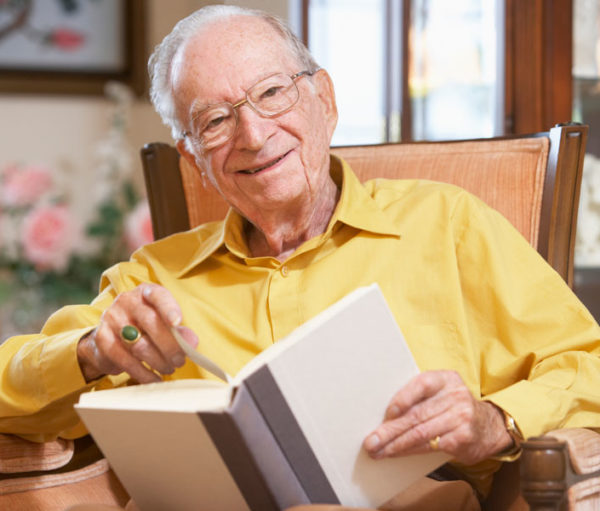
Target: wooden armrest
563	464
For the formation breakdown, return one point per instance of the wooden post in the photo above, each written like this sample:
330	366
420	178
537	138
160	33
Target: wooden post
543	473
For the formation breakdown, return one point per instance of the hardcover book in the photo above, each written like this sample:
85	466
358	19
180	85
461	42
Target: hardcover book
287	430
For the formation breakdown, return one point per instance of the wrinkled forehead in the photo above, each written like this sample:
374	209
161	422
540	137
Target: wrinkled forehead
228	56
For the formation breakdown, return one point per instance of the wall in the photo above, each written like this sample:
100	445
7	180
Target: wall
64	131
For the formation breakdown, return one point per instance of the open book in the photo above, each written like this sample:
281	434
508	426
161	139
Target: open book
287	430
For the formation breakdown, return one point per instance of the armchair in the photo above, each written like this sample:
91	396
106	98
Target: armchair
533	180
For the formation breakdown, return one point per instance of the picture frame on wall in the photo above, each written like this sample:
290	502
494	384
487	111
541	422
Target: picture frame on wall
71	46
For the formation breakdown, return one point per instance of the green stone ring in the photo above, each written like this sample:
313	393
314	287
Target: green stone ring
130	334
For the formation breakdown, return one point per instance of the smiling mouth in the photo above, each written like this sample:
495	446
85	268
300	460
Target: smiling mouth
270	164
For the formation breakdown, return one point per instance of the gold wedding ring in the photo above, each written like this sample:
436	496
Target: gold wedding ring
434	443
130	334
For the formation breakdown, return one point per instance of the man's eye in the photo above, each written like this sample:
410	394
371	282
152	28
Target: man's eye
271	92
211	124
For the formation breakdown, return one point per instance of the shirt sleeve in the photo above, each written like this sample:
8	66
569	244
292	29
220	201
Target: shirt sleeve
538	347
41	378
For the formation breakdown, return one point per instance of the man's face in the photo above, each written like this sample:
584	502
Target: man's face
291	149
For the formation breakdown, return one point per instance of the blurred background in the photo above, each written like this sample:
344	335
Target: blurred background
74	113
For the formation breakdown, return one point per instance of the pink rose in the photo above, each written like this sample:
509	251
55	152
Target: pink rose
23	186
48	237
138	227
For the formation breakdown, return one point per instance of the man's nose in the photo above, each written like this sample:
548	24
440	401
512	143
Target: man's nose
252	129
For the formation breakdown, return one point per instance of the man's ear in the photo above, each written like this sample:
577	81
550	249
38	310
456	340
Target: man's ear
326	93
188	155
192	160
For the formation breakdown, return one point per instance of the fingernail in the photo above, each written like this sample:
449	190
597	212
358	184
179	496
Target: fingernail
372	442
147	292
178	360
174	318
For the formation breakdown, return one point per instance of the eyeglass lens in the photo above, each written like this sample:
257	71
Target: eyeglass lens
269	97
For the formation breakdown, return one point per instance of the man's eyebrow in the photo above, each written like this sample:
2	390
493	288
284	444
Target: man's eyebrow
197	107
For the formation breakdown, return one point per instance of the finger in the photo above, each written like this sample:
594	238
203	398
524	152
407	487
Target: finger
434	393
459	442
422	422
115	358
146	351
418	389
160	346
456	425
126	356
163	302
423	448
414	417
417	439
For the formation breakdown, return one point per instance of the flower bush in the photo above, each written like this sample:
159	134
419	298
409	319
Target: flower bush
49	255
48	237
23	187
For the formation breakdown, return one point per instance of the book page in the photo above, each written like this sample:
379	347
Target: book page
176	396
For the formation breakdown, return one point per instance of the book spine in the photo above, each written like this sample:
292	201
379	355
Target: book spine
252	455
289	437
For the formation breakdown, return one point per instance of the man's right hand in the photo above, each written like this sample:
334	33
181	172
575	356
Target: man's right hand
153	311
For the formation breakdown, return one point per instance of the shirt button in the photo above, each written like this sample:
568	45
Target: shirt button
285	271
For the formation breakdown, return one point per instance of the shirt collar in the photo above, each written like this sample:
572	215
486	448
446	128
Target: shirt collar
206	246
356	208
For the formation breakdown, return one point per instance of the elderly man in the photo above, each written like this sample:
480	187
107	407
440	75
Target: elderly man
504	346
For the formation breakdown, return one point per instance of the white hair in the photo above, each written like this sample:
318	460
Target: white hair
159	65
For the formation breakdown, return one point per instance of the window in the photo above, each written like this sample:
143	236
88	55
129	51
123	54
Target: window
347	38
455	82
586	109
411	69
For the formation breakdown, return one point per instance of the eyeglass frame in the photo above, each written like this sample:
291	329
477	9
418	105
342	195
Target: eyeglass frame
235	106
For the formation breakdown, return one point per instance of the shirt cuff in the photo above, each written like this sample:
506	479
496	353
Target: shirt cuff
534	410
60	366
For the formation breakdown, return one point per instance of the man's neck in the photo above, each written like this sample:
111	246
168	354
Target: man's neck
280	234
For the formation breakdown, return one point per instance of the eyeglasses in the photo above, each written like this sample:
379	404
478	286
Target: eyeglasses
272	96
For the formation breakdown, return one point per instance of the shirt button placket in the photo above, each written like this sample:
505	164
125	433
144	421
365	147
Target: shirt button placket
283	302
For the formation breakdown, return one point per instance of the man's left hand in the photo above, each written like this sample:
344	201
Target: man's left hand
436	411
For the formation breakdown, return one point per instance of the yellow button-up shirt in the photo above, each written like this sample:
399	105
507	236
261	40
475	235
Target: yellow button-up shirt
466	289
